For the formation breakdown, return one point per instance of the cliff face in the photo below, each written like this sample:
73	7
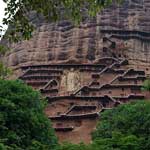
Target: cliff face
88	69
78	93
126	27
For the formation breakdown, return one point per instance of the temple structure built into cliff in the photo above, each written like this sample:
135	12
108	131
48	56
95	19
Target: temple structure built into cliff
78	93
84	70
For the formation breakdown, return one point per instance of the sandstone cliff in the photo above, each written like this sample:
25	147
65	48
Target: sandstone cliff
127	26
87	69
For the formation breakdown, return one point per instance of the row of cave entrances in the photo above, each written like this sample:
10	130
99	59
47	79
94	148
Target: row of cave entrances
104	85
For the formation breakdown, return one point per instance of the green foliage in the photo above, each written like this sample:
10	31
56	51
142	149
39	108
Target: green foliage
146	85
4	71
17	13
3	50
23	123
126	127
69	146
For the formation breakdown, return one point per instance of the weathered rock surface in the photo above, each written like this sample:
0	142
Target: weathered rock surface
63	42
63	62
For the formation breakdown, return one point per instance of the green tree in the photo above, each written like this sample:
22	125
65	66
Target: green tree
4	71
17	13
23	123
126	127
146	85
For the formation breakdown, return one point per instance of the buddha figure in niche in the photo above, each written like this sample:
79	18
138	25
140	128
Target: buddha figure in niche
71	80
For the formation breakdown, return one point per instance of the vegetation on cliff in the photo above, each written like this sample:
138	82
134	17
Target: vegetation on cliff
4	71
23	123
146	85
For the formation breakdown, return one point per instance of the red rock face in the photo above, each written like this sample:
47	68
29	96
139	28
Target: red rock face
127	25
87	69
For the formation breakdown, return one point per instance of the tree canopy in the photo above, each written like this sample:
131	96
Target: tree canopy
23	123
126	127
